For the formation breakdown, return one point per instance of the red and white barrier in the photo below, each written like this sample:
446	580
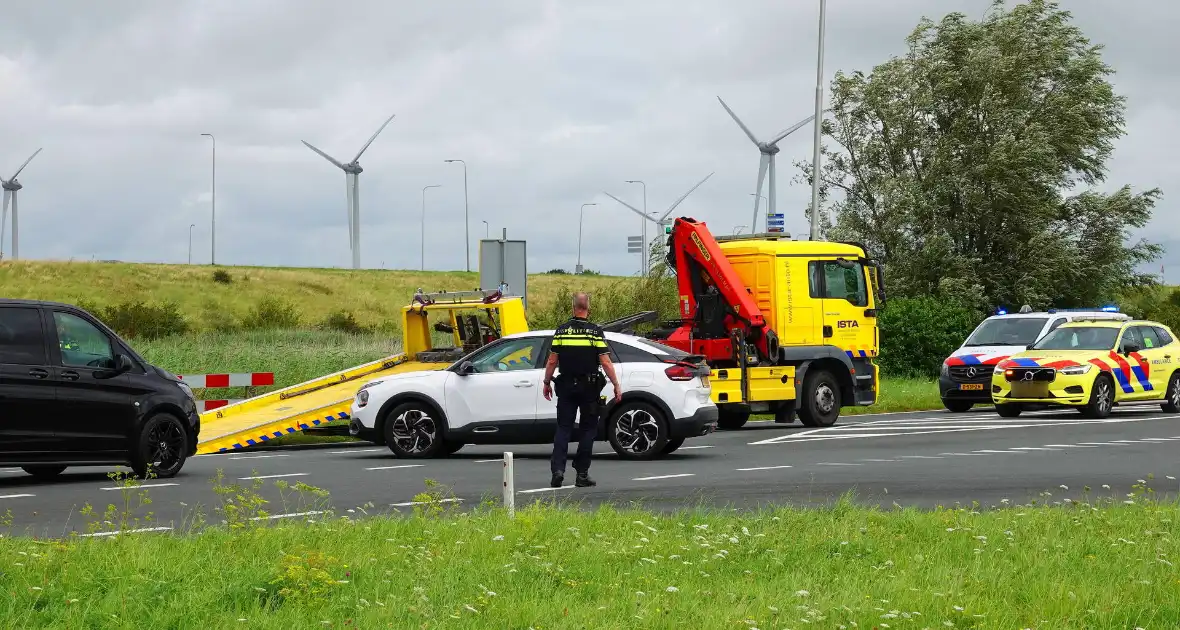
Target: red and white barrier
220	381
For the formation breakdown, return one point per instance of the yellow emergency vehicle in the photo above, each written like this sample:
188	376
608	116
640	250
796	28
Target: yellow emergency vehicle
1092	365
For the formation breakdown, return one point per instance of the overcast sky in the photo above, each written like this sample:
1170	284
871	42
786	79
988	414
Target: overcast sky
550	103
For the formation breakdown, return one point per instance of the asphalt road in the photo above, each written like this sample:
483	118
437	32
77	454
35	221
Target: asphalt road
913	459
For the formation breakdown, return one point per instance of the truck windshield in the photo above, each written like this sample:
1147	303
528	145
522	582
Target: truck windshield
1007	331
1079	338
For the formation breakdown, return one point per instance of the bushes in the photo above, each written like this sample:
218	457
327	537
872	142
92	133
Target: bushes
222	276
272	314
138	320
917	334
343	321
625	297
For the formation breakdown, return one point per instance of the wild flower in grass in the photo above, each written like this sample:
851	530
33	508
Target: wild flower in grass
1105	487
802	593
672	589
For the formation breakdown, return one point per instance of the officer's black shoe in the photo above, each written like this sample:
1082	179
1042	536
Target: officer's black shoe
555	481
584	481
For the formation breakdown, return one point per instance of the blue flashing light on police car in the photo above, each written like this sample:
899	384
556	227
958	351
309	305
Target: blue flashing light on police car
1001	311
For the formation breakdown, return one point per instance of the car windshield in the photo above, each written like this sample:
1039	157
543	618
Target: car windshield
1007	331
1079	338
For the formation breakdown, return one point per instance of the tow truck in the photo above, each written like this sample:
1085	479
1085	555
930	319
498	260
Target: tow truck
786	326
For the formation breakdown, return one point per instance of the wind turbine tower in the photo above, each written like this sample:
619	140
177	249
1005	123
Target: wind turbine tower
352	171
11	186
768	150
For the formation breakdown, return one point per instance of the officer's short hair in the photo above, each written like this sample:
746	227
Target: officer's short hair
581	301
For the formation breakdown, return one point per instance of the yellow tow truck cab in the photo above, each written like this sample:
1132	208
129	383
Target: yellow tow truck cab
1093	366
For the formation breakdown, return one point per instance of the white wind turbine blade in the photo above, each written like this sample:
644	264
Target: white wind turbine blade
792	129
324	155
737	120
631	207
762	165
22	166
683	197
4	220
374	137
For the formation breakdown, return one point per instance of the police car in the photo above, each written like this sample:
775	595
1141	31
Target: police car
967	373
1092	365
494	396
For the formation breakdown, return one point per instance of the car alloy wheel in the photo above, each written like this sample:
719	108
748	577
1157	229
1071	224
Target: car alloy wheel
162	447
414	431
637	431
1104	397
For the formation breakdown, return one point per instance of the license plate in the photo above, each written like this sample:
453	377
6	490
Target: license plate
971	386
1030	390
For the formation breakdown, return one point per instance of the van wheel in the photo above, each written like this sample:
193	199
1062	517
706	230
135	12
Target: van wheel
1101	398
637	431
1008	410
45	471
731	420
821	400
413	432
161	448
957	406
672	445
1172	397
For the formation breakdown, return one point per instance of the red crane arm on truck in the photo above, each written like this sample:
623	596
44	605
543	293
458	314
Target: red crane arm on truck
700	265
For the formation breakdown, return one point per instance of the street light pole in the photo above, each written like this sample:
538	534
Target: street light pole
423	263
190	242
643	224
581	212
486	228
819	105
466	220
213	213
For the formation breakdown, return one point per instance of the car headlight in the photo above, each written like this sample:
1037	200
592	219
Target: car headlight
188	391
362	398
946	370
1076	370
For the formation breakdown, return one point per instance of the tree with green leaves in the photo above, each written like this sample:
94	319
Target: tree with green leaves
970	166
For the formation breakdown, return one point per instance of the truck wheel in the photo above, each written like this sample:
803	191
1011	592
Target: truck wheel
957	406
412	431
1008	410
1101	398
730	420
1172	395
637	430
820	400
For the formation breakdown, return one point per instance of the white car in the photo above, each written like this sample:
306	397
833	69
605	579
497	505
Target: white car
493	396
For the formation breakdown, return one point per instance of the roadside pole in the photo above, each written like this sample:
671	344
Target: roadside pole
509	486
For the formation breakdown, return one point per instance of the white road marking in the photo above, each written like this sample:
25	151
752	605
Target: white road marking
146	485
689	448
395	467
16	496
358	450
488	461
1126	441
1098	443
760	468
664	477
836	464
237	457
291	515
544	490
880	460
964	454
272	476
1033	448
992	452
1070	446
130	531
410	503
920	457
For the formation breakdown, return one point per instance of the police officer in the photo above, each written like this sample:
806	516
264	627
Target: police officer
579	348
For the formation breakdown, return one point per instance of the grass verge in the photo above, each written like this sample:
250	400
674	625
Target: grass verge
1094	564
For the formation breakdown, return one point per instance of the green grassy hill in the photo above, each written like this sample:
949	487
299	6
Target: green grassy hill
373	297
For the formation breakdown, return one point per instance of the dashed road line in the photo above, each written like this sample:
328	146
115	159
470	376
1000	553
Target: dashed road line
237	457
761	468
991	452
145	485
533	490
1069	446
412	503
920	456
654	478
358	450
16	496
272	476
836	464
291	515
880	460
1033	448
689	448
141	530
488	461
396	467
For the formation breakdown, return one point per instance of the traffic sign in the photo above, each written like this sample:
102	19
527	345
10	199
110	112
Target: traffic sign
774	229
634	244
777	215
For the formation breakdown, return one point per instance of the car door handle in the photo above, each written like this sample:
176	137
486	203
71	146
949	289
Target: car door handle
69	375
524	384
39	373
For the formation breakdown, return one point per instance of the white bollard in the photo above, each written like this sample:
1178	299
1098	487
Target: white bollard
509	485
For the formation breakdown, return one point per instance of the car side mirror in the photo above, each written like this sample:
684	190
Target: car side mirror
122	365
466	367
1131	348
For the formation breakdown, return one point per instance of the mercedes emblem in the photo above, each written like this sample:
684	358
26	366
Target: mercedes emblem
970	372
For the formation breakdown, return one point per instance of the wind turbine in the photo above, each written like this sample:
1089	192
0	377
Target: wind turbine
664	217
352	171
10	186
768	151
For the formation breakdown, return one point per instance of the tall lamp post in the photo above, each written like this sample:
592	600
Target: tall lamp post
423	263
581	213
213	213
486	229
643	223
190	242
819	123
466	224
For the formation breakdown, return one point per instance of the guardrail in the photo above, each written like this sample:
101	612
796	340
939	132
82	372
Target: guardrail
223	381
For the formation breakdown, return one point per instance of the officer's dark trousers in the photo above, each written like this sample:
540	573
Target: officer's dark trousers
569	404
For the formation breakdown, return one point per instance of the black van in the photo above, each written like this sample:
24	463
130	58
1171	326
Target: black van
72	393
